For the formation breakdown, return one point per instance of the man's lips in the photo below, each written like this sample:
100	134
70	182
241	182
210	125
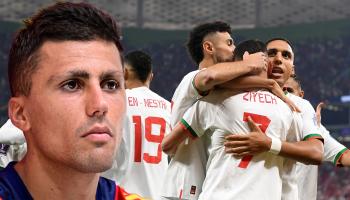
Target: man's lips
276	72
98	134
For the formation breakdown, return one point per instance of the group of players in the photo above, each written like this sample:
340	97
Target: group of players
236	128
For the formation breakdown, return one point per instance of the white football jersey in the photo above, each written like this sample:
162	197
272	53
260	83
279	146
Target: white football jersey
307	174
13	146
250	177
186	170
10	134
310	127
147	122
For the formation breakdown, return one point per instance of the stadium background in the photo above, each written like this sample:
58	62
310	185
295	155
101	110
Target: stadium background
319	31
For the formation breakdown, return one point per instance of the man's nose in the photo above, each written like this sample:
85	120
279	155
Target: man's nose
96	104
278	58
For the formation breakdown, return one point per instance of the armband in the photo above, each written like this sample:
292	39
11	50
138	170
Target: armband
276	146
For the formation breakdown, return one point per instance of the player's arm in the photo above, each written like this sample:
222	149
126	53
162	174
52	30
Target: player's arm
309	151
172	140
192	125
219	73
344	159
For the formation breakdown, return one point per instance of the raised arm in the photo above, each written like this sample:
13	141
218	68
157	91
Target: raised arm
247	82
220	73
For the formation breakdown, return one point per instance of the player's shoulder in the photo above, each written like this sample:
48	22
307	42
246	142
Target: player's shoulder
188	78
121	194
11	185
300	102
185	86
191	74
109	190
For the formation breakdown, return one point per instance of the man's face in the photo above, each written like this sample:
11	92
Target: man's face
281	60
223	47
76	104
292	86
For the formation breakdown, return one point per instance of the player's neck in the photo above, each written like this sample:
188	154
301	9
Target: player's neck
205	63
135	84
46	181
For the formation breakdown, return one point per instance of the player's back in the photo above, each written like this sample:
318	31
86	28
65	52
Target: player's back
235	178
148	116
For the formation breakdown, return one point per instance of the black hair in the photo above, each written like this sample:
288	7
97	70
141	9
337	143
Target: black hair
141	63
63	21
279	38
251	46
195	41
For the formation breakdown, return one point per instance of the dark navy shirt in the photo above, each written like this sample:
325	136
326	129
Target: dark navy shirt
12	187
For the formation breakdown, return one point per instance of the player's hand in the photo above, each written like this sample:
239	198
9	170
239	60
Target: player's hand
256	61
318	112
249	144
277	90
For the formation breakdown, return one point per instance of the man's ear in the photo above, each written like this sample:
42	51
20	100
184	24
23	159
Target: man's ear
126	73
18	114
208	47
151	77
302	93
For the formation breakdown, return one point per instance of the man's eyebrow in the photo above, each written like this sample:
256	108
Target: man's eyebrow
111	74
280	50
70	74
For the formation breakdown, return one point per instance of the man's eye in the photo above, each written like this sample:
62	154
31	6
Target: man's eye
110	85
286	54
71	85
288	89
271	52
230	42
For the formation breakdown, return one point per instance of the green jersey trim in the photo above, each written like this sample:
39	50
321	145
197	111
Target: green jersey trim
312	135
188	127
338	155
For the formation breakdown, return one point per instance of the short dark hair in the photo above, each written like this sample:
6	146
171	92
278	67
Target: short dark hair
63	21
195	41
279	38
141	63
251	46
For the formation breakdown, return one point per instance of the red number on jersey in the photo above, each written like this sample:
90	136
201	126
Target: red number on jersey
150	137
263	123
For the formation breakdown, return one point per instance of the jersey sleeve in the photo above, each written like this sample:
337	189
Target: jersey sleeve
10	134
295	130
332	148
198	118
310	128
184	97
9	153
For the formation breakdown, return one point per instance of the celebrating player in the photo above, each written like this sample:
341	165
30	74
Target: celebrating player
147	121
220	114
333	151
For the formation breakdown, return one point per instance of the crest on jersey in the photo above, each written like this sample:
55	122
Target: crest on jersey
4	148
